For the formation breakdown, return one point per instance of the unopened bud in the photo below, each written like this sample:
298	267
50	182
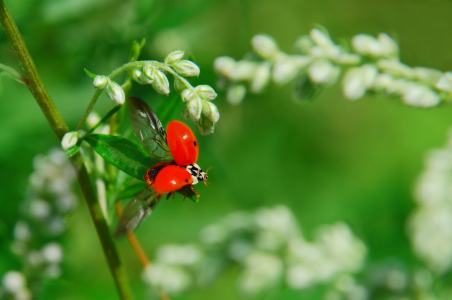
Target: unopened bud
303	44
69	140
261	77
427	75
160	83
224	65
186	68
116	93
321	38
353	84
323	72
188	95
149	71
205	126
388	46
179	85
174	57
13	281
264	45
101	81
194	109
420	95
445	82
206	92
210	111
236	93
396	68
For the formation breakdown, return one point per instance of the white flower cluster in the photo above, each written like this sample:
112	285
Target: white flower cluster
375	68
430	225
49	200
198	100
268	247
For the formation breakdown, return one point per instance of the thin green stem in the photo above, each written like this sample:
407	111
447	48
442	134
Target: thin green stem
89	109
59	127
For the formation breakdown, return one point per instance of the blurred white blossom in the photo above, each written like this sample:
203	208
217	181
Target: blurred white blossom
430	224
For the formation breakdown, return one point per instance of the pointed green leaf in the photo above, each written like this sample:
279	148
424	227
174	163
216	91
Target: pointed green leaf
121	153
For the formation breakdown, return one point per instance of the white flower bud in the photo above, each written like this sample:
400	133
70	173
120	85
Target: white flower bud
236	93
13	281
116	93
40	209
210	111
369	72
206	92
348	59
205	126
69	140
353	84
224	65
149	71
243	70
188	95
397	86
323	72
445	82
303	44
139	77
396	68
382	81
427	75
420	96
186	68
174	57
321	39
358	80
52	253
286	69
194	109
388	46
101	81
179	85
160	83
264	46
261	77
365	44
93	119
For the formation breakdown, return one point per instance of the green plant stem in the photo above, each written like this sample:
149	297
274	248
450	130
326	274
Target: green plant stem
89	108
59	127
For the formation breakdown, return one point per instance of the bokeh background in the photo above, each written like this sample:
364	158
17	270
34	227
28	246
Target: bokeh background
328	160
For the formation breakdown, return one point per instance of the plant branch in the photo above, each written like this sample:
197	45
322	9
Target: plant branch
89	108
59	127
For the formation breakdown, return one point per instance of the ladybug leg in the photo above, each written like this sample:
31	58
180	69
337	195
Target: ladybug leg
193	189
169	195
183	192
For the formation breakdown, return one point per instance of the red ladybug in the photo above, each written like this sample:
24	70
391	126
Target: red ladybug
176	150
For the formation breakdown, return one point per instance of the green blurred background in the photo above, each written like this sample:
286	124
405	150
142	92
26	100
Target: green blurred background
327	160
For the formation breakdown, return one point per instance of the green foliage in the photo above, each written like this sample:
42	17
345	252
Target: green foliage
121	153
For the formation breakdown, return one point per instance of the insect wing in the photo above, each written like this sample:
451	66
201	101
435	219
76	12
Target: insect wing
149	130
136	211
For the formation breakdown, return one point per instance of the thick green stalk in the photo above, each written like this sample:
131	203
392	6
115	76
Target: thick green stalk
59	127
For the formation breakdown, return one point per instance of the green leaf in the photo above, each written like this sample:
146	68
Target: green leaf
304	89
90	74
131	191
71	151
121	153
